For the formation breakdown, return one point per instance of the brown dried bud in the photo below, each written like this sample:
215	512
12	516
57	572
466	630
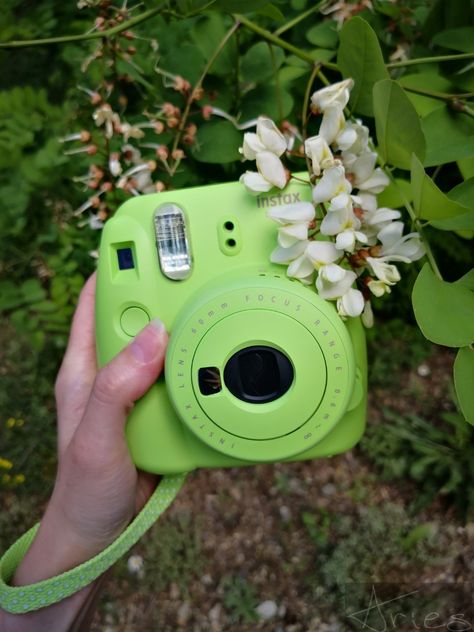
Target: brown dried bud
107	186
91	150
160	186
162	152
131	50
178	154
198	94
207	112
158	127
95	201
85	136
172	122
95	98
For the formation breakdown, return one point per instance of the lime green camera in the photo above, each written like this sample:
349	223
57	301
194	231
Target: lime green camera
259	368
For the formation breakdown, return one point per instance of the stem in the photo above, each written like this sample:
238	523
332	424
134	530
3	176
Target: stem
442	96
277	82
429	60
274	39
85	36
304	113
207	67
299	18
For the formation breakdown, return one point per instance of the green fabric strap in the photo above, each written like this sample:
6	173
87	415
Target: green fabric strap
44	593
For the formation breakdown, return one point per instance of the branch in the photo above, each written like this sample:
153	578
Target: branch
85	36
274	39
429	60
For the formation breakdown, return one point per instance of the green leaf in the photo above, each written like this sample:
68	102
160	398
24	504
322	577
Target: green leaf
429	201
264	100
258	63
464	222
217	142
185	60
208	31
417	534
324	34
461	39
429	81
464	193
466	167
238	6
395	194
464	382
467	280
32	291
443	310
271	11
360	57
443	124
398	126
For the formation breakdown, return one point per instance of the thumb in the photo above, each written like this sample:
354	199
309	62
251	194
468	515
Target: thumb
124	380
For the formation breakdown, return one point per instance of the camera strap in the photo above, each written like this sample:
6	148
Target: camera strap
21	599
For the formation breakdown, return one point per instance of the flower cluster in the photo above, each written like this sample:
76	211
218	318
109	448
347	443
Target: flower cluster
341	241
126	155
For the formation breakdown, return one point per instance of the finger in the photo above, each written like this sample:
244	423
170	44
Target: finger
79	368
120	383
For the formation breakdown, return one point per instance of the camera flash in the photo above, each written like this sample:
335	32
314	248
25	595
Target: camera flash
172	242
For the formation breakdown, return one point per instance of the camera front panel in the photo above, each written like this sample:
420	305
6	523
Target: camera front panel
278	318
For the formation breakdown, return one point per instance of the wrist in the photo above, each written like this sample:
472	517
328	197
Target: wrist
58	547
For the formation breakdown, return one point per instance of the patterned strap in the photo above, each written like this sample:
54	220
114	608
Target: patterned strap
44	593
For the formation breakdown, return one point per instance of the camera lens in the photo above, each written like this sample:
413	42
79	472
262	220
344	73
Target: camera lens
258	374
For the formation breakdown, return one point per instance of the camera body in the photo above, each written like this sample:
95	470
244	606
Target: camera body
259	368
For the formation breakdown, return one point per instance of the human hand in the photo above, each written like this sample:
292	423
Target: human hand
98	489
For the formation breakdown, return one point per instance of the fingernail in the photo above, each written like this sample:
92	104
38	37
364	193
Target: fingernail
149	342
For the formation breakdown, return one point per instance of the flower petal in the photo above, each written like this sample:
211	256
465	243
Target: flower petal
254	182
351	303
251	146
322	252
285	255
270	136
292	213
271	168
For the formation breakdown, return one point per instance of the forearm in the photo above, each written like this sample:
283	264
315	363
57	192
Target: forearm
55	550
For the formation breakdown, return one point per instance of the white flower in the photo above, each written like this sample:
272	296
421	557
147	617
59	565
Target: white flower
366	177
354	138
334	281
386	272
394	246
104	115
135	564
295	220
374	221
267	138
115	167
378	288
316	256
322	253
367	316
272	169
337	93
351	303
332	124
341	221
255	183
285	255
317	149
331	184
130	131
